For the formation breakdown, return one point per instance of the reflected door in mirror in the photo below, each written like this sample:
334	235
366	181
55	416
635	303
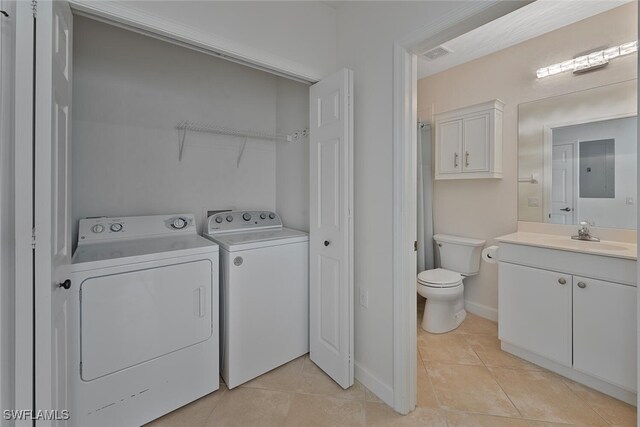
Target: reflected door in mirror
563	185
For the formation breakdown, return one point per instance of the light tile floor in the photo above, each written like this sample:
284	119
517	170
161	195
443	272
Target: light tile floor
464	379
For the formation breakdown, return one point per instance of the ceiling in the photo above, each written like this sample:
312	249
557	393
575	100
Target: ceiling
532	20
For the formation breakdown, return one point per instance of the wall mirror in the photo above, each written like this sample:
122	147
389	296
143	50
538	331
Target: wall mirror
577	157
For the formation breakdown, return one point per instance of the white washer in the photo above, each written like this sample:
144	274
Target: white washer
264	296
142	319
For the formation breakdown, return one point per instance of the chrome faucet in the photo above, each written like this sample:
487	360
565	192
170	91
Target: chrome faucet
583	233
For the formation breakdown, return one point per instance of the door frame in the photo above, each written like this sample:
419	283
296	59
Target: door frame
24	218
405	88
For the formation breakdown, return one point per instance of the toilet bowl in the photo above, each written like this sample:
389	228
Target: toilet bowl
444	291
443	288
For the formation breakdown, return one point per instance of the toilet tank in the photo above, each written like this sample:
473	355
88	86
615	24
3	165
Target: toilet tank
459	254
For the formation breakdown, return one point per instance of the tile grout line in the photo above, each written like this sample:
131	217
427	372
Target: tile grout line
563	380
433	389
496	380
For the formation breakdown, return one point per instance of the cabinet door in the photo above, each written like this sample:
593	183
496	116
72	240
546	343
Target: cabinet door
604	331
450	146
535	311
476	137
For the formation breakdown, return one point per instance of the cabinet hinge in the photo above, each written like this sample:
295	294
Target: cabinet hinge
34	8
415	246
33	238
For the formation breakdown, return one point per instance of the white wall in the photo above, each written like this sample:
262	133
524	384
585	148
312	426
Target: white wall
297	36
608	212
292	160
127	102
367	32
488	208
7	227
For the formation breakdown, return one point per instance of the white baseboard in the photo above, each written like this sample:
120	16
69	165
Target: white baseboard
481	310
380	389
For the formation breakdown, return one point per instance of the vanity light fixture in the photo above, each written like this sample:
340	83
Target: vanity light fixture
588	62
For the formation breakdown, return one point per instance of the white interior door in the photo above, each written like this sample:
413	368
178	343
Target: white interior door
563	185
53	46
331	227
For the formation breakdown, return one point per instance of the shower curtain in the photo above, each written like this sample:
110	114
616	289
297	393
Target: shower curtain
425	200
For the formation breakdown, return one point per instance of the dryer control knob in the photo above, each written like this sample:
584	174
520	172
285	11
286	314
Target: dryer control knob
98	228
179	223
115	227
272	215
229	218
246	216
263	216
219	219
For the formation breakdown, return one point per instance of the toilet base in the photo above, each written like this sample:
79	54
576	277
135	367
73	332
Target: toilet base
443	311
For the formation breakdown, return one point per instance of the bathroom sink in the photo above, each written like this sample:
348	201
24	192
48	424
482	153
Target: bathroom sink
583	244
564	242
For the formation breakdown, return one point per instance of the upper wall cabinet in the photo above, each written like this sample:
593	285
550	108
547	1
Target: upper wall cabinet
469	142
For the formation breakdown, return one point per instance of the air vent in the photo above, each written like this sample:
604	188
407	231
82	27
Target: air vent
436	52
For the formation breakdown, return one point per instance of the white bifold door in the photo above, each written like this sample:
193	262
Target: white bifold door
53	48
331	226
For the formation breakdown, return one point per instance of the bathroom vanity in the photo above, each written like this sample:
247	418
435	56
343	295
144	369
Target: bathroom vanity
570	306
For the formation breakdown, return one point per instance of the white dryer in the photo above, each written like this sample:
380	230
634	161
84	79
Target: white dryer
264	296
142	319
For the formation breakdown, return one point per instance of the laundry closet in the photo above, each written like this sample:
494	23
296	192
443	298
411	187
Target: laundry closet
168	143
131	91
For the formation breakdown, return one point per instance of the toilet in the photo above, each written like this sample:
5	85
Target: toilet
443	288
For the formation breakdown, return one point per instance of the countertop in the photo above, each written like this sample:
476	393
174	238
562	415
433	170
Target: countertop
565	243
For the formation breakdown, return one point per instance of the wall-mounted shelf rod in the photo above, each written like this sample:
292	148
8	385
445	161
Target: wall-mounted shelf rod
187	125
530	179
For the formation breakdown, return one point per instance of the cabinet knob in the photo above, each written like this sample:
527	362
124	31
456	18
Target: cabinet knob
562	280
66	284
582	285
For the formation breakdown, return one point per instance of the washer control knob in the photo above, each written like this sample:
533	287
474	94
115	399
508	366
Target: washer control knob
272	215
219	219
263	216
98	228
115	227
179	223
229	218
246	216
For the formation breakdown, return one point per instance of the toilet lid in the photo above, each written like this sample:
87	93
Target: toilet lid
439	277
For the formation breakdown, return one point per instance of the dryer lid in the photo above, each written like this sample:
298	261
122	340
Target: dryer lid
440	277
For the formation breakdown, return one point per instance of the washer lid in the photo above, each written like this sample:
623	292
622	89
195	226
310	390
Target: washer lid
440	277
258	239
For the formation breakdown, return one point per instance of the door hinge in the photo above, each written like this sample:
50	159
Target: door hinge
33	238
34	8
415	246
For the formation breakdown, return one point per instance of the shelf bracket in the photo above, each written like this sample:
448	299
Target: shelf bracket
182	140
244	143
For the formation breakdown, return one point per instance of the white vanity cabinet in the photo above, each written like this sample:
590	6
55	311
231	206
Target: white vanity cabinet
535	311
571	312
469	142
604	330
